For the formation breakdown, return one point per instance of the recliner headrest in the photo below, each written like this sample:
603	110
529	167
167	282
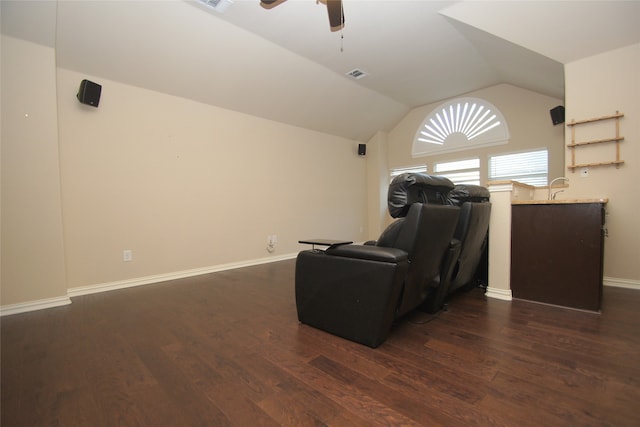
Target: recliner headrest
467	193
409	188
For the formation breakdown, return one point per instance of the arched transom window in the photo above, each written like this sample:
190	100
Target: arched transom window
460	124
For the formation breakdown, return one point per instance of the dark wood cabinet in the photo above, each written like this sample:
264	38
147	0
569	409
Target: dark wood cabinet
557	253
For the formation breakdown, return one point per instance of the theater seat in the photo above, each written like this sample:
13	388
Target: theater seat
472	233
358	291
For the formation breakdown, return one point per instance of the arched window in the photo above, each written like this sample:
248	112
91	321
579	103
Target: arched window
460	124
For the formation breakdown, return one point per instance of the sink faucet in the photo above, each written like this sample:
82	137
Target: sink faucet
553	197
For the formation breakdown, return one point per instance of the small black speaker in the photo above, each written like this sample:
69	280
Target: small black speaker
362	149
89	93
557	115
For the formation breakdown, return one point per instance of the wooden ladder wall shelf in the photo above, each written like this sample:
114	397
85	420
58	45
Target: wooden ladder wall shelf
617	139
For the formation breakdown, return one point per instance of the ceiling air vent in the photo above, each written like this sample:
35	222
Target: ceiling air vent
357	74
218	5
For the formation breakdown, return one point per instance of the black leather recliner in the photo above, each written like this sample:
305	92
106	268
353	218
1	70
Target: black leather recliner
472	233
357	291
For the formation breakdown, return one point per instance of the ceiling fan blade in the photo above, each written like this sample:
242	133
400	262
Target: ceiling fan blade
270	4
336	14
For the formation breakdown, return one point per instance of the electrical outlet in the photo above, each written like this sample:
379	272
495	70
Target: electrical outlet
584	173
272	239
127	255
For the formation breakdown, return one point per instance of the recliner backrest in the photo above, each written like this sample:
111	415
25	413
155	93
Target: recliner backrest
472	232
403	232
409	188
425	234
472	229
463	193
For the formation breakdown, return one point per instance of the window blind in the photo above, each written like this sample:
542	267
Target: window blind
410	169
460	171
529	167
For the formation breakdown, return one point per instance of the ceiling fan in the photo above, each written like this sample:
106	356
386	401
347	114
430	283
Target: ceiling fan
334	8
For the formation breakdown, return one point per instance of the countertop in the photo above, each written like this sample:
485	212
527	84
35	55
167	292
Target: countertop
558	201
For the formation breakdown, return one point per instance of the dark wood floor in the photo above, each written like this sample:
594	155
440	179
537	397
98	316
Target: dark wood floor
226	349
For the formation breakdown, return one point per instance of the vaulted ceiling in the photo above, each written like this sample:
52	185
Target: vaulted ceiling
284	64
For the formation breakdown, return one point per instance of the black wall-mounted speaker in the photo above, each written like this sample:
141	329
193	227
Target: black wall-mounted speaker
362	149
89	93
557	115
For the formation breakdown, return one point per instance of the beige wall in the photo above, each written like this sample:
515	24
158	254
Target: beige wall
32	240
186	185
527	115
377	184
596	87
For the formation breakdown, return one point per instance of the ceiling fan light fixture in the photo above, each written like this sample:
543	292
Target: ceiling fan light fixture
336	14
270	4
357	74
334	9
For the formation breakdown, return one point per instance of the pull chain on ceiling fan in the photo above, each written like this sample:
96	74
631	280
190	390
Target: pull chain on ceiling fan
334	9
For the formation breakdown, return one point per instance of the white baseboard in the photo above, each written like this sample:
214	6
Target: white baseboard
139	281
503	294
621	283
128	283
40	304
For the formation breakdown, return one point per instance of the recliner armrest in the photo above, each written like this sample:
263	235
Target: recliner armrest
368	252
354	298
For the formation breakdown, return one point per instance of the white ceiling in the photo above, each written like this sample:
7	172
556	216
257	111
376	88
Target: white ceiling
284	64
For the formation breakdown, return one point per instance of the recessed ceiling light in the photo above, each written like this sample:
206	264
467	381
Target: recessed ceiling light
357	74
